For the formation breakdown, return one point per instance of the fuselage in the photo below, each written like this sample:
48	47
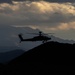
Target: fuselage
38	38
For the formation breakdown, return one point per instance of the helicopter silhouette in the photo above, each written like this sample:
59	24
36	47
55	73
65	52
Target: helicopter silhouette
41	37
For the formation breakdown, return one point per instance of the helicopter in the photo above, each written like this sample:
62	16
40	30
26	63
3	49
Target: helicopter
41	37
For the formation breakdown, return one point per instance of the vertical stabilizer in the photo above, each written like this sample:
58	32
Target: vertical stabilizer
21	38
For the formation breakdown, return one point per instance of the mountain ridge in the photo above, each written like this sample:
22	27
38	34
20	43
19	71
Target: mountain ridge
45	49
5	57
51	58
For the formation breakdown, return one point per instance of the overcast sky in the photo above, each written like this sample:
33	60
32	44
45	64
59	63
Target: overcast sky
46	15
10	1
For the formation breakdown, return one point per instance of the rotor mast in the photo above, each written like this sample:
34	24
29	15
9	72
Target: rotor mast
40	33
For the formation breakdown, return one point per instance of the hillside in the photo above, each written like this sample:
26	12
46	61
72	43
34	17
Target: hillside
51	58
8	56
49	51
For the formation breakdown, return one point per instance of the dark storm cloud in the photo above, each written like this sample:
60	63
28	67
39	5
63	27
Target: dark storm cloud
10	1
49	0
5	1
60	0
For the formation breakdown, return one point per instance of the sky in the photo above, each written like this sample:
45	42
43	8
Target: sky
57	16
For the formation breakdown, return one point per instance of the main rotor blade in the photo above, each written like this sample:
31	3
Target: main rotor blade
20	34
33	33
50	33
47	33
41	33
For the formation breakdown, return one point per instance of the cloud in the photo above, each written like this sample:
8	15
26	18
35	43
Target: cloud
40	14
60	1
49	0
64	26
6	1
